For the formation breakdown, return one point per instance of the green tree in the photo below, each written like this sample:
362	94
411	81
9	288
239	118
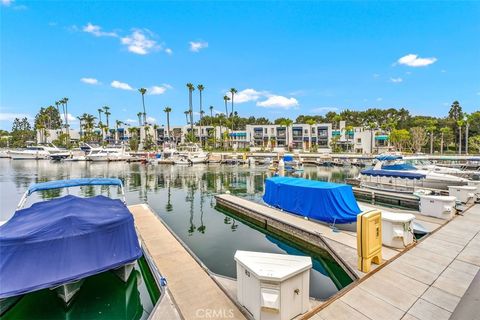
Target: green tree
474	143
430	128
200	88
446	135
167	110
21	133
142	92
233	91
399	138
190	88
418	138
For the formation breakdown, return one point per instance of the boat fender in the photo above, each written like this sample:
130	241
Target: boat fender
163	282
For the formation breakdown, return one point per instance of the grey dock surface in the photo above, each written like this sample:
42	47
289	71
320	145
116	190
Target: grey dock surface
427	282
342	245
193	292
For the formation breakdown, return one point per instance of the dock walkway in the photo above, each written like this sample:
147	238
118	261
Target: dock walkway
342	243
426	282
195	294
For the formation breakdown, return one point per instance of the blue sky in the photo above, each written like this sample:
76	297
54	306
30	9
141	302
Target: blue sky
284	58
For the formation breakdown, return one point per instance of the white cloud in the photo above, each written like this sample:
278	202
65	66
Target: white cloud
10	116
121	85
89	80
478	93
443	71
247	95
376	75
156	90
139	42
396	80
169	51
413	60
97	31
151	120
408	72
7	2
324	109
196	46
379	99
278	102
71	118
131	121
166	85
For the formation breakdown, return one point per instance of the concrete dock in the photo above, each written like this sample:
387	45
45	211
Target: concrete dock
342	245
427	282
192	291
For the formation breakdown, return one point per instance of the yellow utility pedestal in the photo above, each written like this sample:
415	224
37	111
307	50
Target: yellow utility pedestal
369	239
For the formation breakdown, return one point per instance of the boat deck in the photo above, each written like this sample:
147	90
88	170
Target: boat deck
193	291
433	280
341	244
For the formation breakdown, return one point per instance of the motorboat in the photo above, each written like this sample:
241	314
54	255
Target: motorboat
38	152
181	160
109	154
193	152
326	202
167	156
431	179
57	243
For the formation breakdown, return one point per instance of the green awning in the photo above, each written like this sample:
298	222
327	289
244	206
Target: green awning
381	138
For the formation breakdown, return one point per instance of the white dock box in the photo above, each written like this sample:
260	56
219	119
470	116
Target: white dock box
463	193
273	286
397	230
442	207
475	183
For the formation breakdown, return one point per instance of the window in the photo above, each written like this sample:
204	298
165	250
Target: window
266	130
359	140
305	131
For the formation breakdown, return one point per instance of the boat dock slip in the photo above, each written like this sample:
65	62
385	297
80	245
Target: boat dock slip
342	245
433	280
195	294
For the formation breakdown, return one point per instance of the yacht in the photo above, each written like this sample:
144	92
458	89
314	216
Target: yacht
38	152
394	166
193	152
168	156
109	154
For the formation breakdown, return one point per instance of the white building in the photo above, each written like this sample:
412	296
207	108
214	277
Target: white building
297	136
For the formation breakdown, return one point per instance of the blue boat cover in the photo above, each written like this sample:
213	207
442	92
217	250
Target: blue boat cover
63	240
393	174
324	201
58	184
399	166
288	158
388	157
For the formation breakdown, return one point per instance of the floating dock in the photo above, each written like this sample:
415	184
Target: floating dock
341	245
191	290
433	280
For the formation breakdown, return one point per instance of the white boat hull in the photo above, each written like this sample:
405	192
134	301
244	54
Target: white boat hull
22	155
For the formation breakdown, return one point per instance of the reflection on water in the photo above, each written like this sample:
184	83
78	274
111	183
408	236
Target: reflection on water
183	197
103	296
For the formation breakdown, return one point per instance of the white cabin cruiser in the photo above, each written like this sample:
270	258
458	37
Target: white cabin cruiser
395	165
109	154
38	152
194	153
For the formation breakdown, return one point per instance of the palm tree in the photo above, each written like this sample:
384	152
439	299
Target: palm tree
468	120
211	115
186	115
287	123
99	116
80	119
226	99
65	101
443	131
142	92
191	88
232	92
118	123
167	110
200	88
107	113
311	123
460	123
347	130
57	103
431	127
139	115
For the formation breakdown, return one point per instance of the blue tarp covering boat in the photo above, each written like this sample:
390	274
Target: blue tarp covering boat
58	184
324	201
388	157
393	174
63	240
399	166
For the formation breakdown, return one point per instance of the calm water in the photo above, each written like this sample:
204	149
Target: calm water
183	198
